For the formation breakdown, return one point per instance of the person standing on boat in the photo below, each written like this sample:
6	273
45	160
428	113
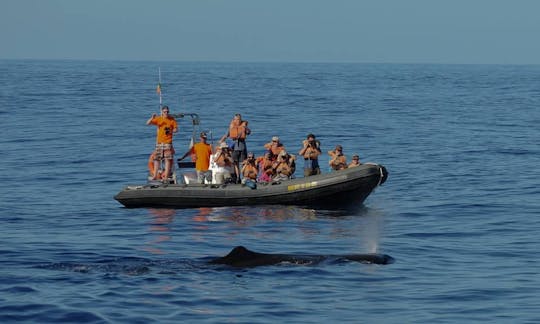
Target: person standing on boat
338	161
311	151
237	133
202	152
164	149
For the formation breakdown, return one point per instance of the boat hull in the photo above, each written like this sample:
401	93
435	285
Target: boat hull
332	189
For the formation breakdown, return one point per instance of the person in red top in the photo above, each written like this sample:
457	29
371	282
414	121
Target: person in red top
202	152
164	149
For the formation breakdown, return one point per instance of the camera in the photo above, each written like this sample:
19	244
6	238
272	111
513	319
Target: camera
167	131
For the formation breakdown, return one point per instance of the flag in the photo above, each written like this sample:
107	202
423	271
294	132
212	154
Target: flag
158	89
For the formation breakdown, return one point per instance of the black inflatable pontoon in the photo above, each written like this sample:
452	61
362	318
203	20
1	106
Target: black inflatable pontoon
336	188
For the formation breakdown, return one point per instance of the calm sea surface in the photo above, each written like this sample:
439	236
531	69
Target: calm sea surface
460	212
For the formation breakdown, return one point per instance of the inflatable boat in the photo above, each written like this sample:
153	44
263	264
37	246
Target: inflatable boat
336	188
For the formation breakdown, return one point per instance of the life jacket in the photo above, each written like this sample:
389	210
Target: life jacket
283	168
237	131
274	149
265	166
250	171
338	162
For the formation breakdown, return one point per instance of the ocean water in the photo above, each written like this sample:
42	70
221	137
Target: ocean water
459	212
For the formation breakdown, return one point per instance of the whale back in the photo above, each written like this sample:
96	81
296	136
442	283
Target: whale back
241	257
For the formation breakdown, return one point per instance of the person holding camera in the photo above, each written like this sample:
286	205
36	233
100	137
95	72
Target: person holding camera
224	173
311	151
250	170
283	170
164	149
338	161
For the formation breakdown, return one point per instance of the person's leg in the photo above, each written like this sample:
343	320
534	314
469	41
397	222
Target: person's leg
200	177
156	170
167	172
208	176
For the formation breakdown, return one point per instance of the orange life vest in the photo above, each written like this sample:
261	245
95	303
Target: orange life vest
250	171
237	131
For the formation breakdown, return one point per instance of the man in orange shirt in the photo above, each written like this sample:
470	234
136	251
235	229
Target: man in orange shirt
202	152
164	150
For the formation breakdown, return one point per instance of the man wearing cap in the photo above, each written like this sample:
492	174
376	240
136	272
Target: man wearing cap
164	149
201	153
338	161
355	161
275	147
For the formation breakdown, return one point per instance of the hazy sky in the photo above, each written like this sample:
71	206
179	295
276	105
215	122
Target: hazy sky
395	31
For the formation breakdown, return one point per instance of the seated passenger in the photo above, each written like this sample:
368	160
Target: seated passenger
275	147
355	161
282	169
225	168
338	161
266	172
250	170
291	160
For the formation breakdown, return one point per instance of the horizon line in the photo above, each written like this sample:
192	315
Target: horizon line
262	61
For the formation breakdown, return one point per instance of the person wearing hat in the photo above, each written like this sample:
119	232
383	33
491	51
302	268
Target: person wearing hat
225	164
310	152
201	153
282	169
355	161
275	147
338	161
164	150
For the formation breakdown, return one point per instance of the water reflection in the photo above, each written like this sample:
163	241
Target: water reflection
361	224
160	223
245	215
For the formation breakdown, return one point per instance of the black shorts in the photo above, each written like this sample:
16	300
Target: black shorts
239	156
